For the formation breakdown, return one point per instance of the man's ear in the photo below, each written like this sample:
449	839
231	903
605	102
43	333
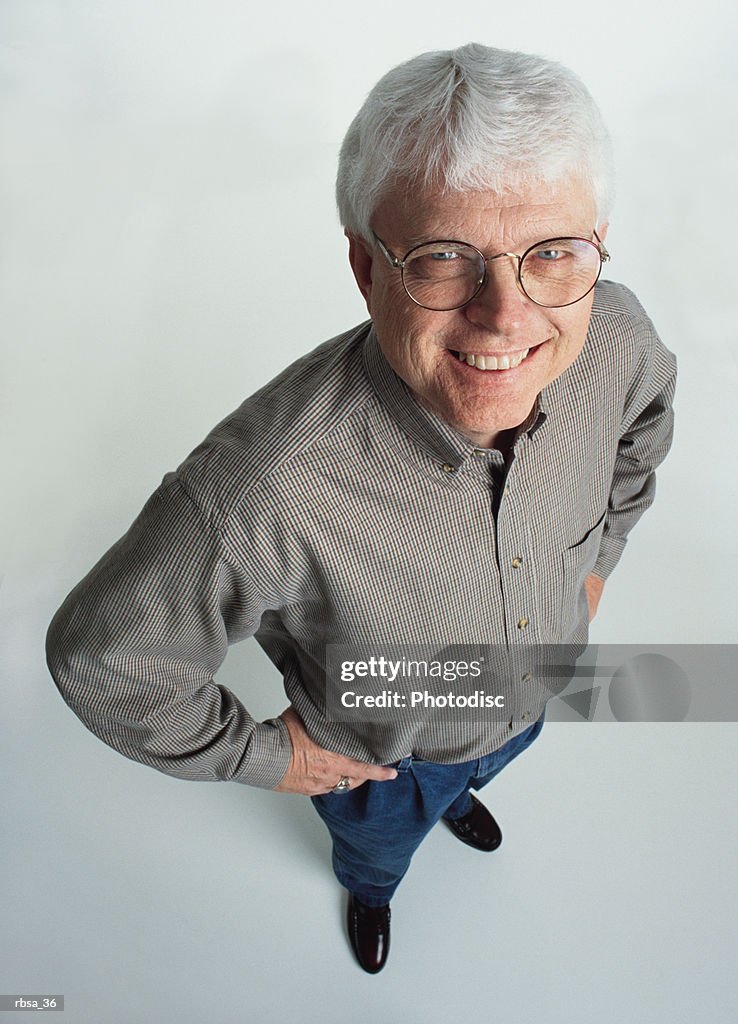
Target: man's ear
602	229
360	258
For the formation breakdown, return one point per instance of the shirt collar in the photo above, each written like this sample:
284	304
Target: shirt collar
427	430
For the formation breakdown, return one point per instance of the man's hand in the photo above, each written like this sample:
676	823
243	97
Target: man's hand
314	770
593	586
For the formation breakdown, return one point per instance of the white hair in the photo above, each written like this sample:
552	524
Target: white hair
474	118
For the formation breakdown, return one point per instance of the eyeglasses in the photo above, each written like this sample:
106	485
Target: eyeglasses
448	274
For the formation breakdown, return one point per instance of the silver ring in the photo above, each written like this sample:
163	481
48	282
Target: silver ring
343	785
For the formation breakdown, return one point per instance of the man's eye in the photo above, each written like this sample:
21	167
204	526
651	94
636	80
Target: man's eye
550	254
444	256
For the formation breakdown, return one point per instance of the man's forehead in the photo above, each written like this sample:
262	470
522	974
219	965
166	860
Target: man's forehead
419	214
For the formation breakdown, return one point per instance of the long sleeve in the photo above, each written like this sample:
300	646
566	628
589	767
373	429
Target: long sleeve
134	648
647	431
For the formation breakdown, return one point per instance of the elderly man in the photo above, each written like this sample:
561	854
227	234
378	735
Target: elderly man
463	468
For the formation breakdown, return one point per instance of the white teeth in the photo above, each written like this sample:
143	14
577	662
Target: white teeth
506	362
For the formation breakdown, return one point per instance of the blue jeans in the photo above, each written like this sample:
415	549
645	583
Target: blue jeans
377	827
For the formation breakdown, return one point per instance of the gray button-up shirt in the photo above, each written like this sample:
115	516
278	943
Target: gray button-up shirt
331	508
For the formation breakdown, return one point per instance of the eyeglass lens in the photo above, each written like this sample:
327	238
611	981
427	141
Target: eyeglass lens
446	275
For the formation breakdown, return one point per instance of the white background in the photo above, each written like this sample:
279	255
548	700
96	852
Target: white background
169	243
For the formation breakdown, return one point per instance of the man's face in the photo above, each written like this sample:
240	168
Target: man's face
422	345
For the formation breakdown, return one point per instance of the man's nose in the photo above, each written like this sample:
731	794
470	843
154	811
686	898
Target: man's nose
501	305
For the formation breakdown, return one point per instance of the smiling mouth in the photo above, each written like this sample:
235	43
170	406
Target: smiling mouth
506	361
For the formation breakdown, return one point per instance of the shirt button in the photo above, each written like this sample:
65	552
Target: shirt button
522	623
526	678
448	468
526	716
516	562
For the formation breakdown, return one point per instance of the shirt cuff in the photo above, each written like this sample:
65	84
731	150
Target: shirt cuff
268	757
611	549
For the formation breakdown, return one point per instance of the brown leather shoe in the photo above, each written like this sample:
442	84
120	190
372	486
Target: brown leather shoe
477	828
369	933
